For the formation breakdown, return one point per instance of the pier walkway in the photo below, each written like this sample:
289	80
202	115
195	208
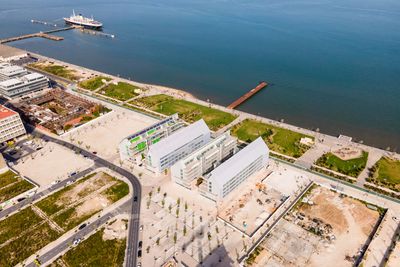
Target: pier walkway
246	96
46	34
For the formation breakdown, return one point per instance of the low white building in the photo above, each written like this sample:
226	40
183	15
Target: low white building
9	53
28	83
9	71
232	173
138	143
203	160
177	146
11	125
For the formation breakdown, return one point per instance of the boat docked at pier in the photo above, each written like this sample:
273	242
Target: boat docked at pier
83	21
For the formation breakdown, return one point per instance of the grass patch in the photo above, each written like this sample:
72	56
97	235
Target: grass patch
121	91
49	205
57	70
352	167
17	223
15	189
278	139
117	191
95	251
27	244
386	172
188	111
8	178
94	83
68	218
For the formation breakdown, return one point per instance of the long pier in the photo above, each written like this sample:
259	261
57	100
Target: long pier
46	34
246	96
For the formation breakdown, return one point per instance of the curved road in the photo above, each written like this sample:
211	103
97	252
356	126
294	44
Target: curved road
133	234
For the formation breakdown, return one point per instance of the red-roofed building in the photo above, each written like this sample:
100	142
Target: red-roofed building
11	125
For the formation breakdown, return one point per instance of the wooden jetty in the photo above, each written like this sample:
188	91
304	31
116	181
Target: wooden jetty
246	96
46	34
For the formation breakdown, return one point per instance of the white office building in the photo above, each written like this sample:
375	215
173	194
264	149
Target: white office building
177	146
232	173
9	71
11	125
203	160
138	144
23	85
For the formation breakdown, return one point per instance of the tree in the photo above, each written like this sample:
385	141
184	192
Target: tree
170	208
178	202
177	212
216	229
158	241
158	190
175	238
163	203
148	249
184	230
186	206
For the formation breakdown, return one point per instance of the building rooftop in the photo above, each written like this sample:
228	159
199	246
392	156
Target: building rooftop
239	161
10	82
6	112
11	70
32	76
179	138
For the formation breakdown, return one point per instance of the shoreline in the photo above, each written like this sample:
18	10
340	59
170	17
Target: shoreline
182	94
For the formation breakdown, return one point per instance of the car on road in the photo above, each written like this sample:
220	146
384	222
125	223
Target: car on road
72	174
94	152
141	228
69	182
82	226
135	198
76	241
140	244
39	148
21	199
139	253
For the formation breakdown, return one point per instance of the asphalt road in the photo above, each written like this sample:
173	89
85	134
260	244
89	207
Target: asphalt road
133	232
133	229
81	234
43	193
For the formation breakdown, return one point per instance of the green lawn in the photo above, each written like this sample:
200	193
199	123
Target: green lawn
122	91
11	185
188	111
31	233
96	252
57	70
7	178
352	167
94	83
386	172
278	139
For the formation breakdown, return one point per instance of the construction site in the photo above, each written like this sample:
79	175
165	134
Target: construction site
58	111
325	228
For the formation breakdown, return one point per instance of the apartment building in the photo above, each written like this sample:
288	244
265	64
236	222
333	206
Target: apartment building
11	125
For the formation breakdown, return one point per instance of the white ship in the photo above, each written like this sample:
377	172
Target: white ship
83	21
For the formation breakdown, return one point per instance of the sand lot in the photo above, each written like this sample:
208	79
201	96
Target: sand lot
105	133
298	242
51	163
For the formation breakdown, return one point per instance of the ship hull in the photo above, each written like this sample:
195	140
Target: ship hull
85	25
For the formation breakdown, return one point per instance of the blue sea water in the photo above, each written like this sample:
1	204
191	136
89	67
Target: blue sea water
333	64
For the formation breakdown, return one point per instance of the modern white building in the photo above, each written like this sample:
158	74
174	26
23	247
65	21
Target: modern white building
203	160
177	146
138	144
9	71
232	173
28	83
11	125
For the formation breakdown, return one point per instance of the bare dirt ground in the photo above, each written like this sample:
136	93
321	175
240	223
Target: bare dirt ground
49	164
104	134
116	229
347	153
394	259
291	244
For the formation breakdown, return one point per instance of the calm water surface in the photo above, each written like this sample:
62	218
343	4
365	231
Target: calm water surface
334	64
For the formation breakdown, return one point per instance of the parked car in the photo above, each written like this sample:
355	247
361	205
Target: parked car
82	226
140	244
139	254
76	241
